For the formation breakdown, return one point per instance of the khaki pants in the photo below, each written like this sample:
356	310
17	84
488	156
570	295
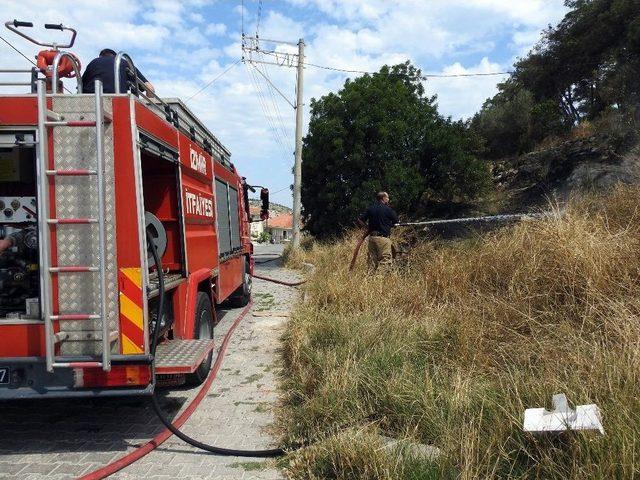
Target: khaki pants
380	253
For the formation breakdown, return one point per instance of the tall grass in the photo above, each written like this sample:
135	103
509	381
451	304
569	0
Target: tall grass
450	350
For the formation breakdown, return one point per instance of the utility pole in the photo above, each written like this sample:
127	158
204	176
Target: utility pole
297	168
252	54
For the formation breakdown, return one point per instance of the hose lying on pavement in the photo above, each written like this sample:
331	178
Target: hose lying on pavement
276	452
267	261
280	282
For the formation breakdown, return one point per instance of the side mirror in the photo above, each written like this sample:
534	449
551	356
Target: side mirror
245	196
264	197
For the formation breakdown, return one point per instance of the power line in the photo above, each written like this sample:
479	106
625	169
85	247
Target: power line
270	105
265	109
424	77
275	102
282	59
214	80
256	83
288	187
19	52
259	17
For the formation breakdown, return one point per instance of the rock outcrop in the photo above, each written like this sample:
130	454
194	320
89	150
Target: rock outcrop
585	164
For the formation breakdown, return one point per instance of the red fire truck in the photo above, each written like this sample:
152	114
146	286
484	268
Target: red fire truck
86	182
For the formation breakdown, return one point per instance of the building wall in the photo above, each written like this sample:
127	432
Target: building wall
257	228
279	235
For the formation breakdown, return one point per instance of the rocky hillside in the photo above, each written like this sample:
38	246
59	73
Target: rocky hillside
275	208
596	162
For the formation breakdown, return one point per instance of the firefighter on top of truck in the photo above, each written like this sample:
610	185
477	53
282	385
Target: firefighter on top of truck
102	68
380	218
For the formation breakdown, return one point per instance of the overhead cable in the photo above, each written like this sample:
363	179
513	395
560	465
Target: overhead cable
26	58
273	90
259	17
265	109
288	187
424	77
214	80
281	58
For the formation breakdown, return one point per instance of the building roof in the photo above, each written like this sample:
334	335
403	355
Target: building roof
281	221
254	210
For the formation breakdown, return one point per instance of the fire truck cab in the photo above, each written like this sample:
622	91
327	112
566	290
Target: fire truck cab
87	181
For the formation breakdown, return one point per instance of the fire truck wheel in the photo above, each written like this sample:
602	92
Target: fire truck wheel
203	329
242	296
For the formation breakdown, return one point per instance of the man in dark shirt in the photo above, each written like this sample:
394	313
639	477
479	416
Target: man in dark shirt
380	219
103	68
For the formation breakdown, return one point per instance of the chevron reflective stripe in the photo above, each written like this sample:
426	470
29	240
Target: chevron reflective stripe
131	311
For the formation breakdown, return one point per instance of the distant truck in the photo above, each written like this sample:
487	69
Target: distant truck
87	181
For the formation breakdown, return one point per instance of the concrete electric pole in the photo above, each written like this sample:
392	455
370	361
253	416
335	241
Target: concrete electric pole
251	49
297	168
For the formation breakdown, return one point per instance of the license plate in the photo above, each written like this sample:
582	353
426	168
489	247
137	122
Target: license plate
4	375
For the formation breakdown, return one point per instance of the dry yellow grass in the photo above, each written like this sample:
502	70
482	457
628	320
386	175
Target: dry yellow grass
452	348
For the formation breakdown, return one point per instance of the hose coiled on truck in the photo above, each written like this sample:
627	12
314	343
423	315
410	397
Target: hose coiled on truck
269	453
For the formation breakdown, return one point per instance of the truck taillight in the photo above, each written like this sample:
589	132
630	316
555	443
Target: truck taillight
119	376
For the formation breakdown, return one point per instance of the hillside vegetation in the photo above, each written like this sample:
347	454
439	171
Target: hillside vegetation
273	207
582	69
450	349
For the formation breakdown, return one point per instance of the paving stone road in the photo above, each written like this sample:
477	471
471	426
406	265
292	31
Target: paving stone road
66	438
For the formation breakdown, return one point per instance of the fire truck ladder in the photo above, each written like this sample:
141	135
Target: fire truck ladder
45	171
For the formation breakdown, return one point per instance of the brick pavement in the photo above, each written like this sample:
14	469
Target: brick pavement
63	439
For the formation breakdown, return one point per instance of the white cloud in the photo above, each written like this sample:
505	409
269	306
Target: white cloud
216	29
131	35
196	17
165	12
462	97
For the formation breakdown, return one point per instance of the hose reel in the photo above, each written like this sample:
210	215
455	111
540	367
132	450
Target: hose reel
157	234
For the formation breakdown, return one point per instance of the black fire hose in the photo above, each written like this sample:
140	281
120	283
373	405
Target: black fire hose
276	452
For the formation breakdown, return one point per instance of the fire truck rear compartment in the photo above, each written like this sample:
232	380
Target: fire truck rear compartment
160	187
19	272
160	179
160	191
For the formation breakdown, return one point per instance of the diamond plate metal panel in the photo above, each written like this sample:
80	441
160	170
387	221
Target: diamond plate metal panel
181	356
76	197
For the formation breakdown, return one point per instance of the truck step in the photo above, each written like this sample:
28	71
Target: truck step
181	356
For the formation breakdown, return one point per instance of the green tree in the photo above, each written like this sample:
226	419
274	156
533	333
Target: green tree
586	65
381	132
504	123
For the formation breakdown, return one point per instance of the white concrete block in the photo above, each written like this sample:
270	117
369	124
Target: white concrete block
562	417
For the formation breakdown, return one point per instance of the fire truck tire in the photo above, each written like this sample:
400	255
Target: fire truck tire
242	296
203	329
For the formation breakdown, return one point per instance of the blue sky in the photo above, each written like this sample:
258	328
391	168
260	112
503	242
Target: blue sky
181	46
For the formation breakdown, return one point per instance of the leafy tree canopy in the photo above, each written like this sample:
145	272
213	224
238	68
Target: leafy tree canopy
588	64
381	132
